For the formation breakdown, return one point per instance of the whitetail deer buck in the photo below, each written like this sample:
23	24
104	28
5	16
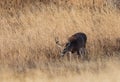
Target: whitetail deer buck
76	43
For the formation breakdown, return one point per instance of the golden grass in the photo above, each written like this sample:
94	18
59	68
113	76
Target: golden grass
107	71
27	47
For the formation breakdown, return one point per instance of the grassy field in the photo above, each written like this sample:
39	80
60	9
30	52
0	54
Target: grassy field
28	52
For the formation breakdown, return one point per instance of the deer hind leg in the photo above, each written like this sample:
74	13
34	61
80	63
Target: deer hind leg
86	54
81	52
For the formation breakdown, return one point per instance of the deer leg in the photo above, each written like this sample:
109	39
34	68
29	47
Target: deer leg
86	54
81	53
78	52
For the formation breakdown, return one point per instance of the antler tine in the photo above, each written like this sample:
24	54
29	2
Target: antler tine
57	42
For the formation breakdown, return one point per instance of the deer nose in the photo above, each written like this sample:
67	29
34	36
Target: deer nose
62	54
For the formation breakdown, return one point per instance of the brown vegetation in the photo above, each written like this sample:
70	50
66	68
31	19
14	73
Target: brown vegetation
28	29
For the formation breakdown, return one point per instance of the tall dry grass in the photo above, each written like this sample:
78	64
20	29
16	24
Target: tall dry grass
28	51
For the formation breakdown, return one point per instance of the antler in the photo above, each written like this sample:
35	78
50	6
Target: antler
57	42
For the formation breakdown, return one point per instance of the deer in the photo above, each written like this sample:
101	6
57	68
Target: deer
75	44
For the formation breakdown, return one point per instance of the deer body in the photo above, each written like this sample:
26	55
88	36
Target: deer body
76	44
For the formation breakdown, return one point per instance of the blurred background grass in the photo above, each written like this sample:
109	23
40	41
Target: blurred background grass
28	29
